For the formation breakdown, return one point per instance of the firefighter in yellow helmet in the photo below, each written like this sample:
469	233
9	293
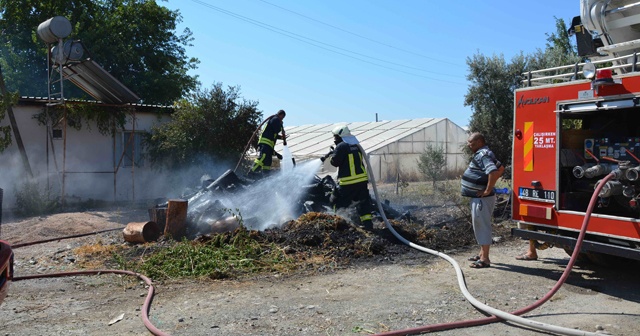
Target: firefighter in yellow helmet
262	164
352	175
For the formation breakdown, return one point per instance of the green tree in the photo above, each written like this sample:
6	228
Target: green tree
494	81
432	162
134	40
559	50
211	124
560	40
491	97
6	100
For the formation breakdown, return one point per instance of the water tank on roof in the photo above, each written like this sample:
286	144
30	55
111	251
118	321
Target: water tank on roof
71	51
53	29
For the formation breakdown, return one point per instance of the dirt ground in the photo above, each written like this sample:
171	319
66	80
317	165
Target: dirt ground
398	289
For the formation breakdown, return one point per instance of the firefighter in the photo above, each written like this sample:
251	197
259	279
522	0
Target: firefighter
268	138
352	175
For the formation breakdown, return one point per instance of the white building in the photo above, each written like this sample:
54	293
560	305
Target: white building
84	163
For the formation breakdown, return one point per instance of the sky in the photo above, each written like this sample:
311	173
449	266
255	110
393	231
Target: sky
335	61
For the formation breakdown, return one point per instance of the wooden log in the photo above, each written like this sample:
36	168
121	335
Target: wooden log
228	224
176	219
141	232
159	215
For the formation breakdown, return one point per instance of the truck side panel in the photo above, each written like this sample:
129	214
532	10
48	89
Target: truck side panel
563	128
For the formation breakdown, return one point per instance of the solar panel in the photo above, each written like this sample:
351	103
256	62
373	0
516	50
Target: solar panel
98	83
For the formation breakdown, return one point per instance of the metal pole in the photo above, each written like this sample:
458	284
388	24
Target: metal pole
133	159
47	125
64	153
115	168
64	126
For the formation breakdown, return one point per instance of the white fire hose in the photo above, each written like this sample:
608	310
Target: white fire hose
490	310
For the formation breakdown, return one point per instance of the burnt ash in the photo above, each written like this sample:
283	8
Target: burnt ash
320	238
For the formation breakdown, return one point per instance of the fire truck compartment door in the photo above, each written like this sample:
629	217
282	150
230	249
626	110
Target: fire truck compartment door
598	105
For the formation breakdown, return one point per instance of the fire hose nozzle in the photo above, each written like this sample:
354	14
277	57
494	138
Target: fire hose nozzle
579	171
628	191
633	174
327	155
597	170
611	188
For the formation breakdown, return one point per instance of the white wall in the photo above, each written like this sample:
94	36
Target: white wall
88	158
401	157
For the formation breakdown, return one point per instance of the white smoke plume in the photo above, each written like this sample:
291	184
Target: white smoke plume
269	202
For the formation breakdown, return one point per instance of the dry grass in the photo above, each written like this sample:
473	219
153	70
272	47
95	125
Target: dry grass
321	221
96	255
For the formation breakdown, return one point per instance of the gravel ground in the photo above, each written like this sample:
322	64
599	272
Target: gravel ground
389	292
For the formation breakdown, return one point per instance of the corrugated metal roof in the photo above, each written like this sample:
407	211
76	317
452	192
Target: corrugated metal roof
315	140
27	100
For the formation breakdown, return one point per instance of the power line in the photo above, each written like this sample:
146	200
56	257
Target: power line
316	43
289	34
358	35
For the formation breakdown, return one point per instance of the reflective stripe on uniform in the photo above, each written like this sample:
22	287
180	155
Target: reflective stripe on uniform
354	179
352	166
266	141
258	163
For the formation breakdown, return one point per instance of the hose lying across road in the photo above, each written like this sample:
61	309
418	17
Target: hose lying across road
147	302
61	238
498	315
145	307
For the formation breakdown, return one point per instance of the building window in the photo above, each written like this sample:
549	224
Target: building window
130	143
57	134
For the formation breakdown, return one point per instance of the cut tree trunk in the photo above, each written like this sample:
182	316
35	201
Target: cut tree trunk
176	219
159	215
141	232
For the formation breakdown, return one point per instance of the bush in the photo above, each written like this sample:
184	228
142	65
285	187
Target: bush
31	201
450	192
432	162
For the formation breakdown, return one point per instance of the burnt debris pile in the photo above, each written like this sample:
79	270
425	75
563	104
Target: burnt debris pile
229	201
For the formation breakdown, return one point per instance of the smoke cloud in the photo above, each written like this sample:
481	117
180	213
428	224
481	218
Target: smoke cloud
267	203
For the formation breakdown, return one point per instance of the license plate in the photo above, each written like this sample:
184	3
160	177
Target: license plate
538	194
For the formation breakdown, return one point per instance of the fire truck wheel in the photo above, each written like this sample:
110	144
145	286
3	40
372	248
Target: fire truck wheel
607	260
581	257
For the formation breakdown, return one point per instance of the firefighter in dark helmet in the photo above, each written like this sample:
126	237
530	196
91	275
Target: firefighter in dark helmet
270	133
352	175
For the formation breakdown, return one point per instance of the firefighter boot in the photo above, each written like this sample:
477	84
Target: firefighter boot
255	174
367	225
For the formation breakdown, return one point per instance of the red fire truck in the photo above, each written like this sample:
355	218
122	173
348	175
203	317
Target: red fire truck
575	124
